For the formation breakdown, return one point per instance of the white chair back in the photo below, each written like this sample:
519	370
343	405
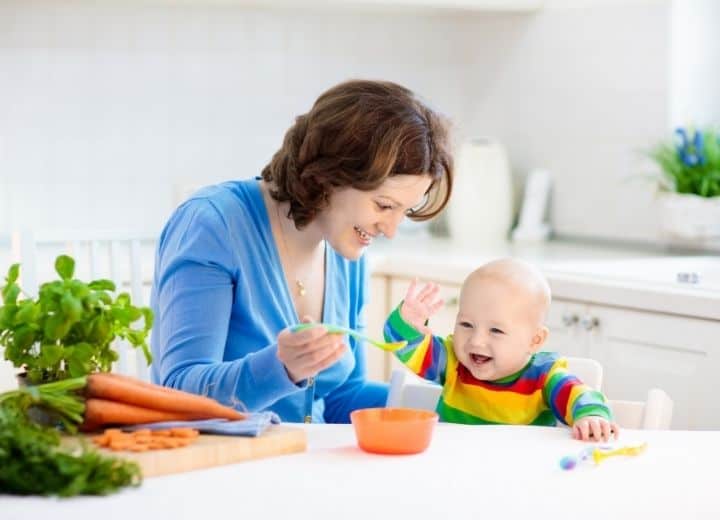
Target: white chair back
586	370
419	393
117	257
655	413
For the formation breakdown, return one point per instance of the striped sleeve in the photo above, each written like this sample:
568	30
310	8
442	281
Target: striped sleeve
424	354
570	399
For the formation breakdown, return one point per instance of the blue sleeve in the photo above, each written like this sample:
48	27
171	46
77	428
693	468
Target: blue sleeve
195	278
356	392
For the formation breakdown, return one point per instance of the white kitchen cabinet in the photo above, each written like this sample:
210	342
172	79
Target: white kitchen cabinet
641	350
566	336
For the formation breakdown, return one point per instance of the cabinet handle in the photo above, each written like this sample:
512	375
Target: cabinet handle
569	319
589	322
452	302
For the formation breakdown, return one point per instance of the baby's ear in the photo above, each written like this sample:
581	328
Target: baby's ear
539	339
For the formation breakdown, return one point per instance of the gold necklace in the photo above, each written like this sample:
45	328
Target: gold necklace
298	283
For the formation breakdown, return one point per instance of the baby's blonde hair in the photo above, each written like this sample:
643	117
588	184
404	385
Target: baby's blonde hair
520	274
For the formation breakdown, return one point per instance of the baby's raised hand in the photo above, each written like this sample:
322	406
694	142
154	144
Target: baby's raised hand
595	429
419	305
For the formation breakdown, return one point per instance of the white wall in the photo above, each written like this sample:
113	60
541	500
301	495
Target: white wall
108	110
695	63
580	92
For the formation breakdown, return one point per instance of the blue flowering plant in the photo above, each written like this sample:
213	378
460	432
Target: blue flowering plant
691	163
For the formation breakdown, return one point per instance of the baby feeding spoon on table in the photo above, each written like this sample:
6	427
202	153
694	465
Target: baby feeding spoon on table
335	329
599	454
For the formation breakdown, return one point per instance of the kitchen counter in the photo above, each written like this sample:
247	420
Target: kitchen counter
467	472
639	278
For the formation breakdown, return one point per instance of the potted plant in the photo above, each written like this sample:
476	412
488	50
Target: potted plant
689	185
68	330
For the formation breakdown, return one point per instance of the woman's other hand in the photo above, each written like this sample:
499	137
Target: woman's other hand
419	306
307	352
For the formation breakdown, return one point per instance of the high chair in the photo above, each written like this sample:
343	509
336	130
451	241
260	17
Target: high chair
655	413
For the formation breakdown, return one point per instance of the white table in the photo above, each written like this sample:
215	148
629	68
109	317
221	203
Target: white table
468	472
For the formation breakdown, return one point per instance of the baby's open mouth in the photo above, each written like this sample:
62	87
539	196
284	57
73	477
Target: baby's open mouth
479	359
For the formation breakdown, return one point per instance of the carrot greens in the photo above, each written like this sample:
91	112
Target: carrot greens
32	462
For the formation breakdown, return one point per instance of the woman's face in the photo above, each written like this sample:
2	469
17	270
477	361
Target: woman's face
353	217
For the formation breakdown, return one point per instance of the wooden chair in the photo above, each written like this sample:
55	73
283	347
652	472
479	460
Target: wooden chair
117	257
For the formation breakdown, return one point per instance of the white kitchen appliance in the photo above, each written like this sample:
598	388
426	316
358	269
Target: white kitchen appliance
481	207
531	224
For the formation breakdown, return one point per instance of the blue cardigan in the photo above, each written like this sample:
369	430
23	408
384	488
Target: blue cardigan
220	299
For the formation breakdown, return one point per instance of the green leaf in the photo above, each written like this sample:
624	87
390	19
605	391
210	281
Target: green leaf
83	352
102	285
136	337
78	289
71	307
705	186
23	337
100	330
122	315
149	317
80	360
50	355
65	267
56	327
7	315
134	314
28	312
10	293
13	273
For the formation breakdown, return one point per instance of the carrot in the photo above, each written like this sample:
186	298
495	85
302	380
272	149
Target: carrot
186	433
144	440
99	412
123	389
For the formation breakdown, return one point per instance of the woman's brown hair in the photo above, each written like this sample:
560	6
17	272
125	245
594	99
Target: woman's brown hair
358	134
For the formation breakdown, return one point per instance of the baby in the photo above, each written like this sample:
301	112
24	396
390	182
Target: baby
491	368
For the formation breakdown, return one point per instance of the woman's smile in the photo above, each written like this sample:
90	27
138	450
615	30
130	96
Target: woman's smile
365	237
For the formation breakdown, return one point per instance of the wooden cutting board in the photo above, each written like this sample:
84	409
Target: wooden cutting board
217	450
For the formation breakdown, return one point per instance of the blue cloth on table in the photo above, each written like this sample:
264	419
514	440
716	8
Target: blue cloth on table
252	426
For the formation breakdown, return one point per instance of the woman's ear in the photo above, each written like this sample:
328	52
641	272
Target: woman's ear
539	339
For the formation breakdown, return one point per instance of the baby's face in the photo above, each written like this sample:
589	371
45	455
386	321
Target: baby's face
497	328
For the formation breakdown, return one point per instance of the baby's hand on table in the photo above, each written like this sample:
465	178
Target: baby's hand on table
418	306
595	429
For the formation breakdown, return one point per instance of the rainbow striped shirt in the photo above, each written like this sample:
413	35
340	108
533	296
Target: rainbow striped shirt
542	393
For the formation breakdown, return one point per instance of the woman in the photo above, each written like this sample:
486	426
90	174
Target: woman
241	262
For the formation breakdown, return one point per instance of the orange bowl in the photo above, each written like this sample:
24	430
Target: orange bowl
397	431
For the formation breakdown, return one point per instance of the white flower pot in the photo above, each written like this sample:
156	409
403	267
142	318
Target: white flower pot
690	219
